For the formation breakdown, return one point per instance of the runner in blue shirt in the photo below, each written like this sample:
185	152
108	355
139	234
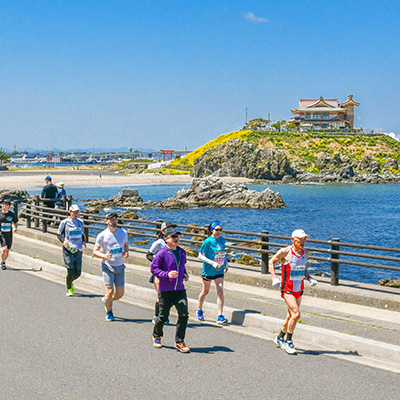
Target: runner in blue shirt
212	253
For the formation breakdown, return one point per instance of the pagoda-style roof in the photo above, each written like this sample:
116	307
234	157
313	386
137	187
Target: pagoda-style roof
318	109
323	105
349	101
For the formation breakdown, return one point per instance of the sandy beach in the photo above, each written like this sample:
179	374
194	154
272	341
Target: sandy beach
91	177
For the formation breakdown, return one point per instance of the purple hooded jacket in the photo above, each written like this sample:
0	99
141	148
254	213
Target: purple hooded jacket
165	261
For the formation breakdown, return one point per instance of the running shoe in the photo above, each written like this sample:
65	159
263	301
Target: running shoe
221	319
72	287
279	341
289	347
69	293
200	315
3	265
157	342
182	347
110	316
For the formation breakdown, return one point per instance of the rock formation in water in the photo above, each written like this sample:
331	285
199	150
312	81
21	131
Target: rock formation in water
213	192
127	198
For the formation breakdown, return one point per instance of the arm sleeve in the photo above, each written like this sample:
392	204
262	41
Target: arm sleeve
203	258
150	256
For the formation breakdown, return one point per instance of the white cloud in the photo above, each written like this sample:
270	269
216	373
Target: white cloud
252	18
394	136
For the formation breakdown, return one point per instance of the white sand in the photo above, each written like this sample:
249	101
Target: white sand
22	179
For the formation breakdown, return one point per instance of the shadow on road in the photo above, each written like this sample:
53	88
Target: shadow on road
322	352
205	350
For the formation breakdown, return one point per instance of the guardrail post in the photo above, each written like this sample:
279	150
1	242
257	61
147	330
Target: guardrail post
206	231
44	225
158	225
264	256
28	216
68	202
36	201
15	205
335	265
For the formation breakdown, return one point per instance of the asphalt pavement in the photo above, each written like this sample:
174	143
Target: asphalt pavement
58	347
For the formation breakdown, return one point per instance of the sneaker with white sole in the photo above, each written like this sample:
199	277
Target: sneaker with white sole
279	341
289	347
182	347
200	315
69	293
110	316
221	320
157	342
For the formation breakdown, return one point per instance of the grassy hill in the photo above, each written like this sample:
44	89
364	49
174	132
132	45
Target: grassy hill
304	147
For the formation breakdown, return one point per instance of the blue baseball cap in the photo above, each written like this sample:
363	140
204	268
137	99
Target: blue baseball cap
48	178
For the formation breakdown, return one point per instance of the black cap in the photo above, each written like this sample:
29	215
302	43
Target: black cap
6	201
170	232
166	225
111	214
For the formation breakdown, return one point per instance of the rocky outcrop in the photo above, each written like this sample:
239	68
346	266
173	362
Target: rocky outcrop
237	158
214	192
127	198
390	282
19	195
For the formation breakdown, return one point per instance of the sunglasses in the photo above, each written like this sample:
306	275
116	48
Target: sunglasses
218	230
175	236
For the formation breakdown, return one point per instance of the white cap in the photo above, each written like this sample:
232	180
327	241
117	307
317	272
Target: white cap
60	184
299	233
74	207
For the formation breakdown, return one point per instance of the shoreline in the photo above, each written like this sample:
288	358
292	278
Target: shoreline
89	177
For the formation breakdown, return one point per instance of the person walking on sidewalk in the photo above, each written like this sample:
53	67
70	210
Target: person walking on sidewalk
7	218
294	270
112	247
169	267
212	253
71	235
154	249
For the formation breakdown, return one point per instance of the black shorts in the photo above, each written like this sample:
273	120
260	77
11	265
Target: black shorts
8	238
211	278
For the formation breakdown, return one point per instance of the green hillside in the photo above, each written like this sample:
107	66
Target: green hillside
304	147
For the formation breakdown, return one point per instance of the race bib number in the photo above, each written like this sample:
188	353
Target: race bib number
6	227
219	257
116	252
74	233
297	274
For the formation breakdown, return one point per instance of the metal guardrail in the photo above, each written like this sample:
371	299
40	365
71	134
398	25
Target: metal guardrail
260	244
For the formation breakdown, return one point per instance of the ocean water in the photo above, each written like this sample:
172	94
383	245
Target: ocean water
358	213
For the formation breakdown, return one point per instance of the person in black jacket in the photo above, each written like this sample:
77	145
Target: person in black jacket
49	191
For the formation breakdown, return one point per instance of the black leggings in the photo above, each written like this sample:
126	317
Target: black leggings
72	274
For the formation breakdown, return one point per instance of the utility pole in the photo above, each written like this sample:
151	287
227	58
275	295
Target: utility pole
246	117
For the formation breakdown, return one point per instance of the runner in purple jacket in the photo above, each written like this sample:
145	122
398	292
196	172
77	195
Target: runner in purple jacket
169	267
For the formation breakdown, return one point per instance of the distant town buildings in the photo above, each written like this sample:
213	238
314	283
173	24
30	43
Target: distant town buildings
324	113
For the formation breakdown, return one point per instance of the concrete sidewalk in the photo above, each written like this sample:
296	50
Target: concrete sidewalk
352	321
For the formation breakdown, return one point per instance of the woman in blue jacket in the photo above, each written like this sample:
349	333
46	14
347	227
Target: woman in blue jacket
212	253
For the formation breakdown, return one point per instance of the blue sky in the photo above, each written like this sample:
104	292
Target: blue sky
170	74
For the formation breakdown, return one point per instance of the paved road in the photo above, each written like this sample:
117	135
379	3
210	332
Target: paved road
54	347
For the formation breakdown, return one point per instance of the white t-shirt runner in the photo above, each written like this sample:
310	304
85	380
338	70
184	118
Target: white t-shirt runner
113	242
